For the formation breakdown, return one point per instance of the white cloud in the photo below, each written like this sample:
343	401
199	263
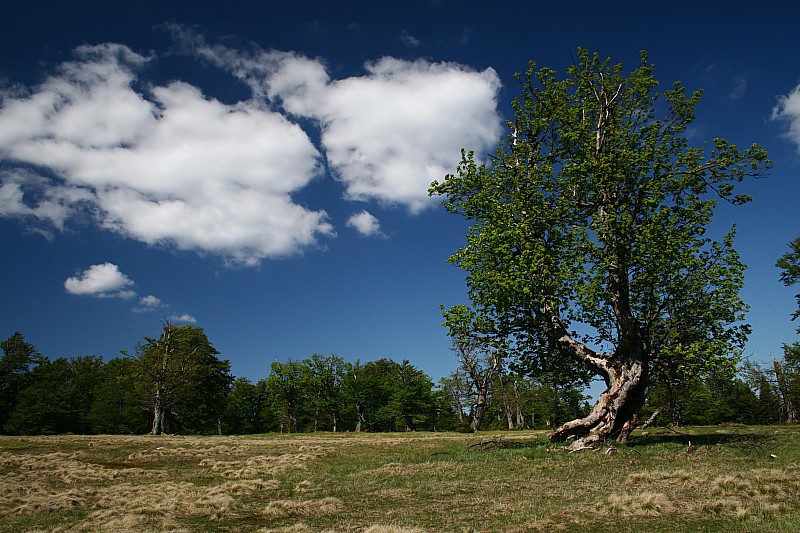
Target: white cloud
150	301
167	167
184	318
365	223
788	109
149	304
389	134
55	204
101	281
386	135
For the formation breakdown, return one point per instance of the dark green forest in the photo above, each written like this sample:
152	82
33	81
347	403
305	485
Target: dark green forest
178	383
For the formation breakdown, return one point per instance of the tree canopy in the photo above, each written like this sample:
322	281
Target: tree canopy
589	247
789	263
185	379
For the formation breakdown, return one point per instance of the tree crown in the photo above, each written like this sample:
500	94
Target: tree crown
592	215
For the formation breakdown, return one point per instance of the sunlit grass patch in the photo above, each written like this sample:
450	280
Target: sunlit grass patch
638	505
729	479
304	508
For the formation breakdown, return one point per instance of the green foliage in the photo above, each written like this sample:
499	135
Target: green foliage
59	397
589	226
380	395
286	388
245	407
119	407
789	264
184	378
16	366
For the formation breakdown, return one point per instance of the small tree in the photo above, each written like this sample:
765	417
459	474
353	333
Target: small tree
588	246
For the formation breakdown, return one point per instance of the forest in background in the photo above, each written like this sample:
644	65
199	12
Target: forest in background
178	383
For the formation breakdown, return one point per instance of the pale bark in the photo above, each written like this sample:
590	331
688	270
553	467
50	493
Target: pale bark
361	420
626	378
520	415
791	411
158	415
613	416
480	406
652	420
161	412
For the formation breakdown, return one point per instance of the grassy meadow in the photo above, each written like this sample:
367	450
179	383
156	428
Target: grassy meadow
691	479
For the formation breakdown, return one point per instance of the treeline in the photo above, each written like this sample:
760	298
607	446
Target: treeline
177	383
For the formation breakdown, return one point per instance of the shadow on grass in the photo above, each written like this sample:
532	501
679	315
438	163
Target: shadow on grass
500	443
745	441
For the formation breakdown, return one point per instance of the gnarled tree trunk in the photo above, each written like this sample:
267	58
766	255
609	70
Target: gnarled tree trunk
625	372
614	414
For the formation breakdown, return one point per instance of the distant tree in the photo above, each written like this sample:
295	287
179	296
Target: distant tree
552	401
508	389
85	377
779	383
286	386
788	378
458	392
59	397
365	390
119	406
411	403
324	384
588	246
16	368
185	380
244	407
480	356
43	406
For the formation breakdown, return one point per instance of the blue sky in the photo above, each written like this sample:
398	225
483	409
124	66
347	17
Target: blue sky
260	169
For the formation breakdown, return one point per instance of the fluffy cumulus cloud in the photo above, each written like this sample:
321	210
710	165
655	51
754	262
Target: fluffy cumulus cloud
165	166
102	281
387	135
365	223
105	280
170	165
149	304
788	109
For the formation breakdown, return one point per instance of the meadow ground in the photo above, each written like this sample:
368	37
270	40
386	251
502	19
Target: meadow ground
692	479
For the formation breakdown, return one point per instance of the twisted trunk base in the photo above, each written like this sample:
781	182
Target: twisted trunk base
614	415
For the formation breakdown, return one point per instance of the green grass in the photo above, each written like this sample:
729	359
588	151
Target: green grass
728	479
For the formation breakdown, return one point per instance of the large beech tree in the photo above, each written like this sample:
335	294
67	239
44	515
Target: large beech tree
184	379
588	246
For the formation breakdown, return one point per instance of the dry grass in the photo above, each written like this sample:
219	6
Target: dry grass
730	479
